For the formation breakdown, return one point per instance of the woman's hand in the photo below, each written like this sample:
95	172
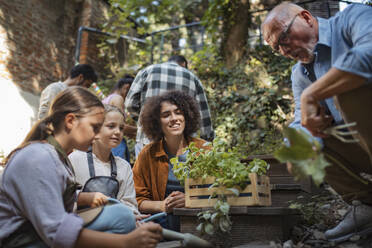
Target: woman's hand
176	199
147	235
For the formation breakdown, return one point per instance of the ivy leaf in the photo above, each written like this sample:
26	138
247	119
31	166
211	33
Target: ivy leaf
315	168
225	208
208	228
207	216
305	155
300	147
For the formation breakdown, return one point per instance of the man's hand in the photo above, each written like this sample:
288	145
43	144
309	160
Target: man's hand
175	200
313	116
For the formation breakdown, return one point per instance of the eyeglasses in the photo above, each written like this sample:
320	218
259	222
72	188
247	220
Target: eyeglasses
283	37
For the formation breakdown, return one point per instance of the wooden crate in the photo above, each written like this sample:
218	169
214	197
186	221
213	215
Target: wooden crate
257	193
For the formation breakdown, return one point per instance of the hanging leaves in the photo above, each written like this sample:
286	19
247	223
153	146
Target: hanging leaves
304	153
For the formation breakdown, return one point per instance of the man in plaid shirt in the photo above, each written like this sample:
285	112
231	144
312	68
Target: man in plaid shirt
159	78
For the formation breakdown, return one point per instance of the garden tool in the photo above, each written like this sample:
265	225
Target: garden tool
187	239
341	134
154	217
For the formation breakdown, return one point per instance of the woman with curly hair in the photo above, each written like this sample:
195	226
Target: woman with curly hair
168	120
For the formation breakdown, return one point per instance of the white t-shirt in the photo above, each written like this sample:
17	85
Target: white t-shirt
126	194
47	97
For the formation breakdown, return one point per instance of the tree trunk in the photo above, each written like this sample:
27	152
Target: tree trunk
236	31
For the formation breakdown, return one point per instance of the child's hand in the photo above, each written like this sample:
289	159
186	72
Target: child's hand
141	216
92	199
98	199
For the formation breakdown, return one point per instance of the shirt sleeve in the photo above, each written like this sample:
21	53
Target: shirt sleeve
206	128
299	84
127	193
46	95
36	185
133	99
143	190
356	28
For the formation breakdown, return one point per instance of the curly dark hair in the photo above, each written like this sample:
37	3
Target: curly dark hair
150	115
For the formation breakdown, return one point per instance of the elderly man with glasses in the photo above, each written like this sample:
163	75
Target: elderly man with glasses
334	69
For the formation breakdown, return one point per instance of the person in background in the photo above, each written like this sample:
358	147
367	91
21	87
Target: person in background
38	187
332	86
103	161
80	75
116	98
159	78
168	120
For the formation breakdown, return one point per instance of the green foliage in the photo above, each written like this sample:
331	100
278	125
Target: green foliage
304	153
223	164
226	167
215	220
219	11
250	102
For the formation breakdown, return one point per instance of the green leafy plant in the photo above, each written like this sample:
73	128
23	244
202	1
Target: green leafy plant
216	219
215	160
304	153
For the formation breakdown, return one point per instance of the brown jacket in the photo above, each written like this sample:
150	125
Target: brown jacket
150	171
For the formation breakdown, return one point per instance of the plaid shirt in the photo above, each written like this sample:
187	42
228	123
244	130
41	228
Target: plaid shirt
157	79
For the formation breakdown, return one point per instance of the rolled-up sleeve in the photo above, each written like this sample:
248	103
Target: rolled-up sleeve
36	181
68	231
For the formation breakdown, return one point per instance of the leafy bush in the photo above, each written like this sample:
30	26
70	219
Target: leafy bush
250	102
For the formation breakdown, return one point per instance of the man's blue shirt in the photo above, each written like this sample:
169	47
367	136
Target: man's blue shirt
345	42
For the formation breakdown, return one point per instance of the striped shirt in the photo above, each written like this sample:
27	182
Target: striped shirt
159	78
